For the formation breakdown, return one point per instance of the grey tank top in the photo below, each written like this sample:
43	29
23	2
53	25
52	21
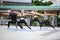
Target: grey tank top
45	17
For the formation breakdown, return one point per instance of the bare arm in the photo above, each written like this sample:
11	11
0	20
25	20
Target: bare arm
18	13
5	14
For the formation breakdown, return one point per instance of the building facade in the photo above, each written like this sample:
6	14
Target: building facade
16	2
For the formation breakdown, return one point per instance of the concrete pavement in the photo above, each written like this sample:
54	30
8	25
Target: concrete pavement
46	33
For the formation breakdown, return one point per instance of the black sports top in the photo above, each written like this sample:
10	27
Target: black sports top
13	16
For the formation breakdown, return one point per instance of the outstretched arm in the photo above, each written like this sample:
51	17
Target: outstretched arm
18	13
5	14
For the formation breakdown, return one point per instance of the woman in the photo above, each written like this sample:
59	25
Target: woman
22	20
35	17
46	19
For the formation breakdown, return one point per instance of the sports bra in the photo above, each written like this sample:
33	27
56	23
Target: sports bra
35	16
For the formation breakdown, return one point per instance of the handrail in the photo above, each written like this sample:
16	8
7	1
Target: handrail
32	7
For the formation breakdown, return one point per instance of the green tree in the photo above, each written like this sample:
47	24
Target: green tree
40	3
48	3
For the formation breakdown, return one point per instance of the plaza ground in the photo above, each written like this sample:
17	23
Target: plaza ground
45	33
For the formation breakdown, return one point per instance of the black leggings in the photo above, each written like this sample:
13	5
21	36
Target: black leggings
11	22
35	19
46	22
22	21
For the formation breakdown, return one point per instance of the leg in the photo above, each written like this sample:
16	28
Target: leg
50	25
18	23
26	24
31	22
9	23
39	22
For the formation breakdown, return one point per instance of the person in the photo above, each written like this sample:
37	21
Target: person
35	17
22	20
53	19
13	17
46	19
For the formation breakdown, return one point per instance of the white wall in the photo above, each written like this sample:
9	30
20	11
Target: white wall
56	2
